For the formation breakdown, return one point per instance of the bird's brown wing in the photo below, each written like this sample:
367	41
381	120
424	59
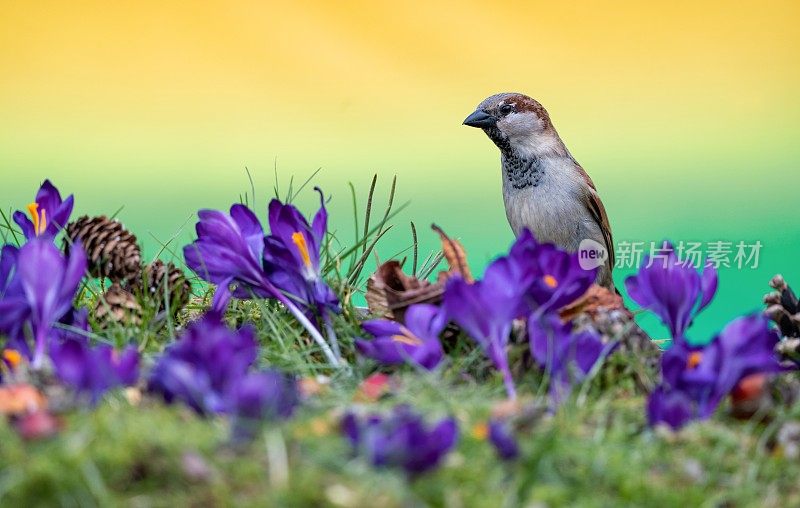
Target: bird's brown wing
598	212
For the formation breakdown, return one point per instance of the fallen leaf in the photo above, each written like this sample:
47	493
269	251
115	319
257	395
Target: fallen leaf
596	300
455	254
390	291
373	388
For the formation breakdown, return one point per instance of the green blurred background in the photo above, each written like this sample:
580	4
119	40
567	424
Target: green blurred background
686	114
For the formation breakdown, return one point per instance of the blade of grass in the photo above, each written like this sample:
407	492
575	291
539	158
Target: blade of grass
416	249
252	185
303	186
8	226
363	260
368	210
347	252
117	212
355	219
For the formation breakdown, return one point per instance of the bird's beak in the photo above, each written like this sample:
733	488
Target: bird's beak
480	118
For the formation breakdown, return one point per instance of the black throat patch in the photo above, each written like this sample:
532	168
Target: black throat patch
522	172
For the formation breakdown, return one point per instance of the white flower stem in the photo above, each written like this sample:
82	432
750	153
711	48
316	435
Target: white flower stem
332	336
278	459
310	328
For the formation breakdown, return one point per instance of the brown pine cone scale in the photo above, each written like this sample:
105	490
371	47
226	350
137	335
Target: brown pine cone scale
112	251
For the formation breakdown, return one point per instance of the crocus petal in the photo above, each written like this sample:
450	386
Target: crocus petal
70	360
708	286
8	262
127	366
59	217
269	395
48	197
41	268
503	440
250	227
25	224
672	408
320	223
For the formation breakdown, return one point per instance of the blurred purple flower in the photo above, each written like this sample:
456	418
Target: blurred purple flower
552	277
566	356
699	377
204	366
266	395
401	439
672	407
94	370
417	341
672	289
502	438
486	310
48	213
292	257
40	285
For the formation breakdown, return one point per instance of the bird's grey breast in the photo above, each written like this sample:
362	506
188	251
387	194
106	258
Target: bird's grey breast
544	195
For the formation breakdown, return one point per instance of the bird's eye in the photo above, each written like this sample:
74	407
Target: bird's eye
506	109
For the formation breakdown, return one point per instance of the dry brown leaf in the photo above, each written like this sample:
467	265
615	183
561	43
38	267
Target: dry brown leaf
455	254
390	291
597	299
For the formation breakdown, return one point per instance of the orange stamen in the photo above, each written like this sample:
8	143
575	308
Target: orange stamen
39	218
694	360
406	337
300	241
550	281
13	357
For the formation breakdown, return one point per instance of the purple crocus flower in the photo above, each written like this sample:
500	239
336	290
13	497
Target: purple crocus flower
292	256
502	438
417	341
671	407
48	213
230	250
566	356
672	289
38	293
552	277
266	395
699	377
94	370
486	310
203	367
401	439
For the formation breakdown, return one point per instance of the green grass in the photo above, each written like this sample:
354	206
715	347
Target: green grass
596	450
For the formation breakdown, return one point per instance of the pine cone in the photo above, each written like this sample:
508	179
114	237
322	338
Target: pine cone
152	283
118	306
111	249
783	307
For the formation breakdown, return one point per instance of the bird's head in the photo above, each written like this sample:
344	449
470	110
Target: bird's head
516	121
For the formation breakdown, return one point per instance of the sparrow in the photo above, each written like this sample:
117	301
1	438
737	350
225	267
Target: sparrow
544	187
